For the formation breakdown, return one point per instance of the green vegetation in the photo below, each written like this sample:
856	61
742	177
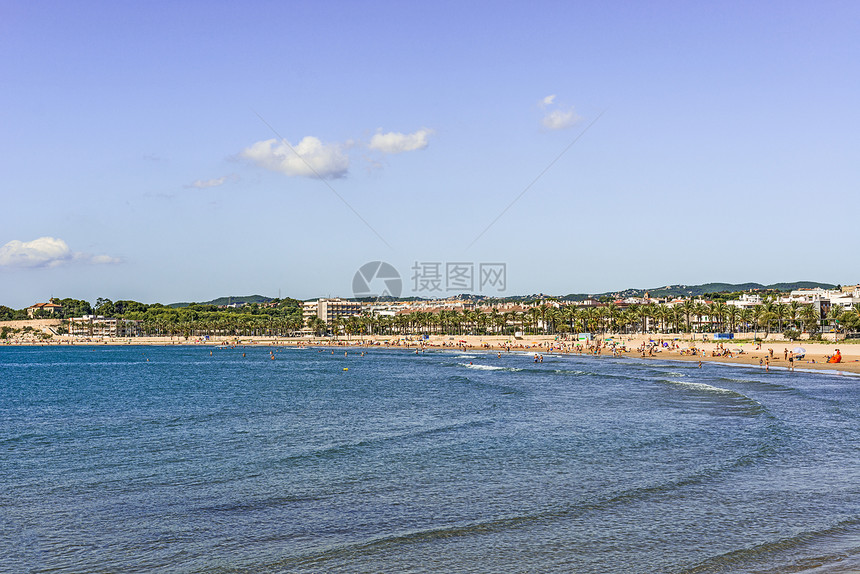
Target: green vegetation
7	314
276	317
712	291
543	315
791	334
72	308
224	301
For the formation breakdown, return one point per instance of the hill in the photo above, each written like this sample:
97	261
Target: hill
231	300
703	289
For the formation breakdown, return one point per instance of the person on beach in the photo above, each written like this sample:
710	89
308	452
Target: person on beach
791	361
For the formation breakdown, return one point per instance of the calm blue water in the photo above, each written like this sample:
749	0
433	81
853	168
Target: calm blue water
171	460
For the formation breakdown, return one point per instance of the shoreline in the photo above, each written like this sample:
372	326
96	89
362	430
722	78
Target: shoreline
815	359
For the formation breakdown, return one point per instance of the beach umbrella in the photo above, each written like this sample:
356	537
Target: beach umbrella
799	351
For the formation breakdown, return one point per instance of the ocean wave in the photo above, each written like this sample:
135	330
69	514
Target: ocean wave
489	367
799	553
346	446
748	405
255	505
705	388
561	510
733	380
570	372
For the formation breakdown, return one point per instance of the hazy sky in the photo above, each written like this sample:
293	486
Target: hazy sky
142	153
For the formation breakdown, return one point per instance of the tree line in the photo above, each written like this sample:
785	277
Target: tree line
545	318
284	318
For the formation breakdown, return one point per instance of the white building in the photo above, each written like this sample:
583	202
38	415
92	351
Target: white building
845	300
330	309
746	301
98	326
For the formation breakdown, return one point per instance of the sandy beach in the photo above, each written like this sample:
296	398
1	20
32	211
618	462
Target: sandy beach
678	347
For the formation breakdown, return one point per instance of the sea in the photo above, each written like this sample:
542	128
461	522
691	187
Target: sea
125	459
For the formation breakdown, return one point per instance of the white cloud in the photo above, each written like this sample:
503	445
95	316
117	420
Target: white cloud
547	101
101	259
395	142
317	159
560	119
204	183
555	116
46	252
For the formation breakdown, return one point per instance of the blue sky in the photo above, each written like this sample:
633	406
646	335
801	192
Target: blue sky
142	156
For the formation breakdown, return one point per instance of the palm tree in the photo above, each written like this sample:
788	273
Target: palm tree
747	317
833	317
494	319
719	310
652	311
534	314
781	311
568	317
793	310
599	319
611	312
317	325
702	311
509	318
644	313
624	318
688	307
733	312
766	317
633	312
665	314
593	318
544	309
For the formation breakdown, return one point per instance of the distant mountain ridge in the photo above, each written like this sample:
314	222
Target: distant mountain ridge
230	300
666	291
699	290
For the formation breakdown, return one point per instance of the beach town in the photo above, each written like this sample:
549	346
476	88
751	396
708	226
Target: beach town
812	328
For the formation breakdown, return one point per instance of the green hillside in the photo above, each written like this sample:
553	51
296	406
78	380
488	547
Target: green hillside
226	301
705	288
